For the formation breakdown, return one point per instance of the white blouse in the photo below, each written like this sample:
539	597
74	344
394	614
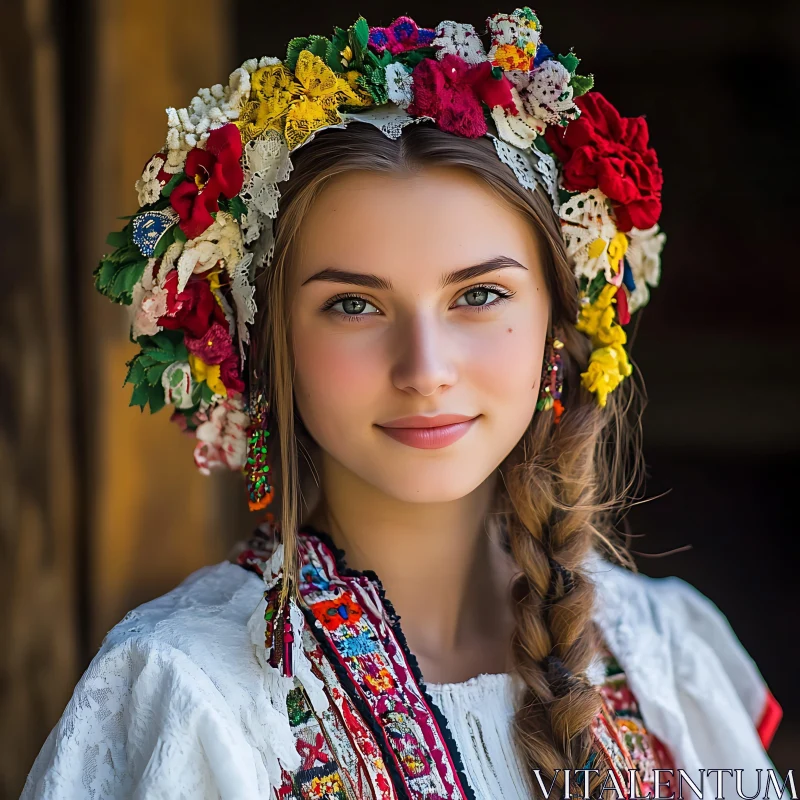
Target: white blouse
176	704
479	713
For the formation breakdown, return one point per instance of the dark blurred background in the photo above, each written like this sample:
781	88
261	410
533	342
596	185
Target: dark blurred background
102	509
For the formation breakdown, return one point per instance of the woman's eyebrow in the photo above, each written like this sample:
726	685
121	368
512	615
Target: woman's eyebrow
371	281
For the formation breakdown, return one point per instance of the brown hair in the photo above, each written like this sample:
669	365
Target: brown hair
560	484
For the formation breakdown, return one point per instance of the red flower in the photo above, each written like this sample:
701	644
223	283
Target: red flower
191	310
229	374
603	150
213	173
451	91
214	346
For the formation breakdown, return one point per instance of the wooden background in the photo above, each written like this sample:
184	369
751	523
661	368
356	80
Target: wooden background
101	507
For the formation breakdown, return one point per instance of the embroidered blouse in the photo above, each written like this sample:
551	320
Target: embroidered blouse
181	701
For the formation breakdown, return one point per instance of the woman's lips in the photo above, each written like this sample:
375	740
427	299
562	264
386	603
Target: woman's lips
429	438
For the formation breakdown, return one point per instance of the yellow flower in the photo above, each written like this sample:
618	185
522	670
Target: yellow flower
607	367
617	248
297	104
511	57
208	373
596	318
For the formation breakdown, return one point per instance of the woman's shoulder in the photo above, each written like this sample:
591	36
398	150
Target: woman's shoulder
211	601
172	700
686	666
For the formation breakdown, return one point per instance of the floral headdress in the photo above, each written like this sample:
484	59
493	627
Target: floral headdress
186	262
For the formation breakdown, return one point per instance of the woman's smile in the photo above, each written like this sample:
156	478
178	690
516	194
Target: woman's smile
429	433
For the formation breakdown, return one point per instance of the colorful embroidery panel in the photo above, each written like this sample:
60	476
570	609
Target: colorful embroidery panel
620	731
349	615
382	738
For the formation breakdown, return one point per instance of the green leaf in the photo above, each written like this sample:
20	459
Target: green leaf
318	45
165	241
180	236
540	143
333	59
154	374
293	51
162	356
360	32
596	286
570	61
235	207
205	392
140	396
581	84
177	178
340	39
412	57
181	353
118	238
135	372
104	274
157	399
125	280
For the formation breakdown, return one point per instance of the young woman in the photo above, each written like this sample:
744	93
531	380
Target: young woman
445	233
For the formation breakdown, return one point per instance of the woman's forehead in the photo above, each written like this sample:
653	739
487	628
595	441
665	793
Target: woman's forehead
435	218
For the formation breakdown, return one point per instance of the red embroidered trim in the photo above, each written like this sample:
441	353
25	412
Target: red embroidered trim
771	717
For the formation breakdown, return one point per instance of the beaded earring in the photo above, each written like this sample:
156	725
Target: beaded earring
552	379
259	482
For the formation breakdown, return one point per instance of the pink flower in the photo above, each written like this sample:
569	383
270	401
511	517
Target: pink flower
402	35
451	91
222	440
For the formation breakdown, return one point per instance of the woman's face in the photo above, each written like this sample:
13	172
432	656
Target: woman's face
417	296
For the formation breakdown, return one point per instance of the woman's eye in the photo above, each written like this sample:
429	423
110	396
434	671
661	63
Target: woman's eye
351	306
479	296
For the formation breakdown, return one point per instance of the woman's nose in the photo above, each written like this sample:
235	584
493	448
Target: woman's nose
425	355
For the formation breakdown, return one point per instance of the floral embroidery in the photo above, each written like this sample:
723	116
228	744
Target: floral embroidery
457	39
451	91
208	200
297	104
402	35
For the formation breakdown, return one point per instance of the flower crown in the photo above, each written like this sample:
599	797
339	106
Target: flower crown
187	261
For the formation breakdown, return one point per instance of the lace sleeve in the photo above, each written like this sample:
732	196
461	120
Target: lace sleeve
145	721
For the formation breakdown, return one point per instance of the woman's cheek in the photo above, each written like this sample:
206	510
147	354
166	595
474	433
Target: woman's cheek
334	381
503	361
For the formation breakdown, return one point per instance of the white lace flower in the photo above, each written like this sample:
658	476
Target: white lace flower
148	305
547	94
222	439
243	299
513	31
399	82
178	384
265	163
210	108
458	39
589	233
148	187
644	257
221	241
519	129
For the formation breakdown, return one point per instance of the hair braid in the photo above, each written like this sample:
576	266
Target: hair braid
552	491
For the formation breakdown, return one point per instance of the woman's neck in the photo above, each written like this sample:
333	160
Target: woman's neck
441	565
